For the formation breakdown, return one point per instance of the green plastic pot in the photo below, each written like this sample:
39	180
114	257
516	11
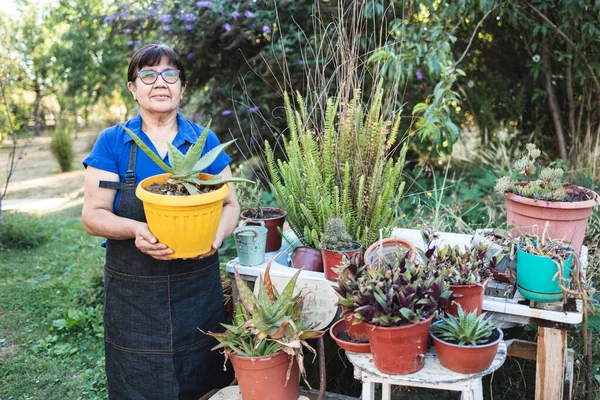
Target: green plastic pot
535	277
250	243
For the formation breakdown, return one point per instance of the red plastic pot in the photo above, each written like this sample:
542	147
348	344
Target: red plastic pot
470	298
355	331
307	259
399	350
264	378
340	335
466	359
568	220
274	219
332	259
388	249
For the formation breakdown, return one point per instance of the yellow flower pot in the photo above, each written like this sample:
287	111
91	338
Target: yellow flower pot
187	224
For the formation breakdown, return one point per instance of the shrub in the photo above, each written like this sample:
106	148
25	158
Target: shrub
62	146
22	231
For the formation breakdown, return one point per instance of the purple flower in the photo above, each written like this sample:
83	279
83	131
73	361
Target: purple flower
266	29
253	109
124	15
226	26
108	20
196	116
190	55
235	15
189	27
225	113
253	26
166	28
252	141
298	62
419	75
130	42
248	14
165	18
127	31
203	4
189	17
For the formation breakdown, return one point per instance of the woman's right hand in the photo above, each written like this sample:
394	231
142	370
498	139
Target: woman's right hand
147	243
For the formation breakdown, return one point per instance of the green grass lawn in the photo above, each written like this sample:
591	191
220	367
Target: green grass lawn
51	343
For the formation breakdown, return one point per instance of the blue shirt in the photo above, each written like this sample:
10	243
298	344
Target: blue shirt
111	151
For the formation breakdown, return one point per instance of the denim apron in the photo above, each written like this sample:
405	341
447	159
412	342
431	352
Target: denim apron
153	313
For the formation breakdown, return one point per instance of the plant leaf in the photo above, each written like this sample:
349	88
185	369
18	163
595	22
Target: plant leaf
161	164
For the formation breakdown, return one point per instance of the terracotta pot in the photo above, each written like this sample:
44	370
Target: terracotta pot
263	378
470	297
466	359
275	217
568	220
340	335
389	248
333	258
399	350
307	259
355	331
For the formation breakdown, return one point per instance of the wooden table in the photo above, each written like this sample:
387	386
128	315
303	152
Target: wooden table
433	376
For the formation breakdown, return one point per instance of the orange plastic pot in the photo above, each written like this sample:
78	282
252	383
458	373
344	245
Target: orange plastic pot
186	224
307	259
469	297
264	378
274	219
340	335
332	259
355	331
389	247
399	350
466	359
568	220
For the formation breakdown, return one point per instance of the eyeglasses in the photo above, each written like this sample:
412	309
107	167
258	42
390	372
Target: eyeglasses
149	76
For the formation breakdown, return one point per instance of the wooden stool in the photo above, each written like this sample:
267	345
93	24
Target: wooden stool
433	376
233	393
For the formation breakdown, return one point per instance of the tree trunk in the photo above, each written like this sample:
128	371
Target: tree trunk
37	110
570	96
552	101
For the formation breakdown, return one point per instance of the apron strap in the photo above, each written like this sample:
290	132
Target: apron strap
129	174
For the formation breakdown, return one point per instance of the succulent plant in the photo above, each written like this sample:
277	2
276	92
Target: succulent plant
267	323
336	236
399	292
184	169
548	186
250	199
459	267
465	329
347	283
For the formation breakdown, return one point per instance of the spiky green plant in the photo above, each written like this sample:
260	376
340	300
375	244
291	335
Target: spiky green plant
335	236
268	323
184	169
347	169
465	329
250	199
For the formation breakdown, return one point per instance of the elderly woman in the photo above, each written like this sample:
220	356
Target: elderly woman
155	307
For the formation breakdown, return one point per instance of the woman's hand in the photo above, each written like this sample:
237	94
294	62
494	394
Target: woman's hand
147	243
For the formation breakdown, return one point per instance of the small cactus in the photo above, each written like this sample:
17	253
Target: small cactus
335	236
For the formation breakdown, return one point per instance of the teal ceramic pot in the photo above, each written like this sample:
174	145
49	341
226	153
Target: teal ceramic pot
250	243
534	277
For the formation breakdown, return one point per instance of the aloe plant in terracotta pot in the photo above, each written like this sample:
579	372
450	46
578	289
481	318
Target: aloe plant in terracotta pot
397	299
466	343
533	202
266	339
183	206
336	244
467	271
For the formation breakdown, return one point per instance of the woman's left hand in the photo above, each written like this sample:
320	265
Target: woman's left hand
215	246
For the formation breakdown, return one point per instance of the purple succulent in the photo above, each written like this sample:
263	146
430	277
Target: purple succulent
235	15
248	14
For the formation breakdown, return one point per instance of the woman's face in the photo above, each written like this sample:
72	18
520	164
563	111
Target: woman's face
160	97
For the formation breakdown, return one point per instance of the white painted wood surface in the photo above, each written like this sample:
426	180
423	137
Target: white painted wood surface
433	375
233	393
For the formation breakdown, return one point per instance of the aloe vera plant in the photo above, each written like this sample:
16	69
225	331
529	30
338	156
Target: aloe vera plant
465	329
185	168
268	323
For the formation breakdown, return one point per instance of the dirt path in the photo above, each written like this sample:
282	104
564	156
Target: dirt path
37	183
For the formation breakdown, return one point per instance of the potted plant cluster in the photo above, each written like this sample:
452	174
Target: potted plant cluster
347	290
183	206
467	272
543	197
266	339
466	343
501	253
397	300
336	244
250	199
